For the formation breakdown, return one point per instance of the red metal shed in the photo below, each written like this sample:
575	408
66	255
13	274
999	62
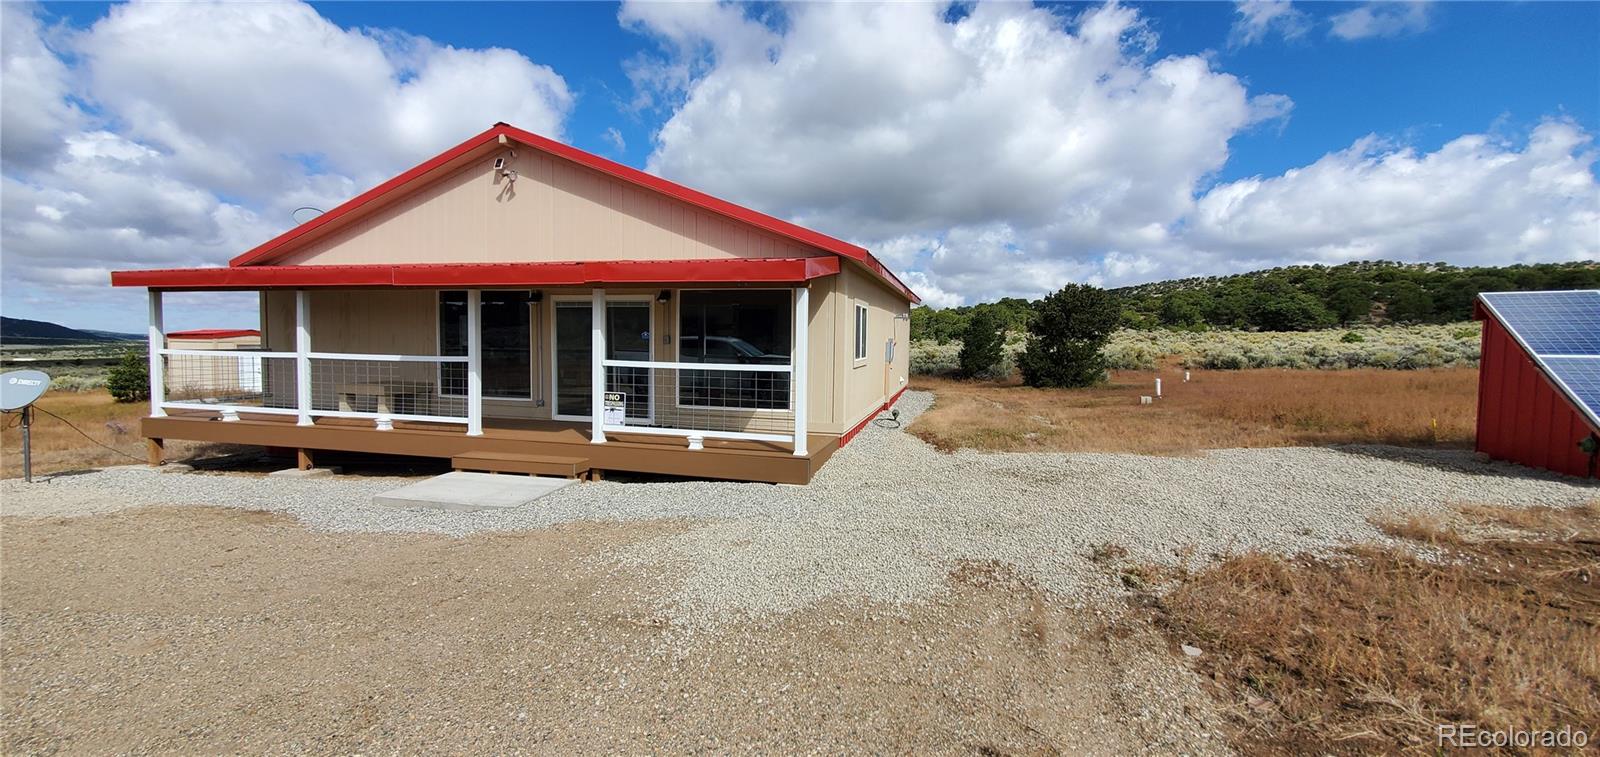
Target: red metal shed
1524	416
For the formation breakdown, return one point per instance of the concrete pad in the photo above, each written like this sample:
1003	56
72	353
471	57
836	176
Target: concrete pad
310	473
461	491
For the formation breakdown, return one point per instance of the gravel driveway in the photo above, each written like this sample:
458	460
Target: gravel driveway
889	517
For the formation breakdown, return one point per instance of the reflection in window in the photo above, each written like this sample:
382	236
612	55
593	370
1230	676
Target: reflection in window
507	350
735	326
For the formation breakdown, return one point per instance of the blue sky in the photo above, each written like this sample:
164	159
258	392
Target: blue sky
1476	65
1374	130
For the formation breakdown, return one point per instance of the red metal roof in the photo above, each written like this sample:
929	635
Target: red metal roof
588	273
212	333
284	243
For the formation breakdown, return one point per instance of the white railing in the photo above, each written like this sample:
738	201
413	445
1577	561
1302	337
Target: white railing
383	388
700	400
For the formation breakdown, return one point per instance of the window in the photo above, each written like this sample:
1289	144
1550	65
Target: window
507	353
750	326
861	331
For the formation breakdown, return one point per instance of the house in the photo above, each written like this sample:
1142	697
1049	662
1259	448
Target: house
518	304
1539	379
211	379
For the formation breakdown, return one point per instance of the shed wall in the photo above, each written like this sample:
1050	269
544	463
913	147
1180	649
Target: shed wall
1522	416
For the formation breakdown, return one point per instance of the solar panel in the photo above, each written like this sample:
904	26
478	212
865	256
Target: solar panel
1581	375
1562	332
1551	323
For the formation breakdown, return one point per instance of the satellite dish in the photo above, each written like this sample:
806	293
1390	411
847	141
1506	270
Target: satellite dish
301	215
19	389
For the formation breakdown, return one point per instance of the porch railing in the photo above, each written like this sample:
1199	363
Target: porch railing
700	400
383	388
693	400
229	380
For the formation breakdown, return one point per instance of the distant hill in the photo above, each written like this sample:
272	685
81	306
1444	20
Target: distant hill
1296	298
24	331
117	336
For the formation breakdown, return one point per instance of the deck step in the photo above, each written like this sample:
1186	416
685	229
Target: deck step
512	462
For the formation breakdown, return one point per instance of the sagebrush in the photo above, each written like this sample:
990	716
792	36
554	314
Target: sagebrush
1394	347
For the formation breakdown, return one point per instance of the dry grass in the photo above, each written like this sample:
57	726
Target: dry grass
1370	650
1215	410
56	447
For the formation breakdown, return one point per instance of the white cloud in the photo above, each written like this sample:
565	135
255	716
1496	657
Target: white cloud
1009	151
1259	19
34	109
614	137
885	122
208	123
1476	200
1382	19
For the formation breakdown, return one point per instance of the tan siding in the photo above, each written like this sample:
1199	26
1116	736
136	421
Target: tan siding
871	382
822	376
277	320
556	210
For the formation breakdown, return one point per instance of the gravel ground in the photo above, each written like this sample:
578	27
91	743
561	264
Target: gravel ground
204	630
889	517
906	600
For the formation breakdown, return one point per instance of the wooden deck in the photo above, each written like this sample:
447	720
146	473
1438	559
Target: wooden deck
636	453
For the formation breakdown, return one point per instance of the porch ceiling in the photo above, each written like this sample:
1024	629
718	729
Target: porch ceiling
475	275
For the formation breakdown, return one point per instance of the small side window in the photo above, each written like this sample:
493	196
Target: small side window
861	332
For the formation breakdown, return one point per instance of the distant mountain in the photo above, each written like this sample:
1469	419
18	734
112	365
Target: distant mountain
116	336
24	331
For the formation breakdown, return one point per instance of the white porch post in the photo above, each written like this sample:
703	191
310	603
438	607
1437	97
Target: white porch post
158	342
797	366
302	355
597	369
474	363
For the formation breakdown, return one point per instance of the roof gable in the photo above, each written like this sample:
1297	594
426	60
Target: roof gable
481	145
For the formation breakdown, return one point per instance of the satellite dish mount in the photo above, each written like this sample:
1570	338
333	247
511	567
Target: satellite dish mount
18	391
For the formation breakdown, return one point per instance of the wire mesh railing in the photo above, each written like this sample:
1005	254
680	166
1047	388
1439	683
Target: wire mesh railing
729	401
733	401
381	387
398	387
219	379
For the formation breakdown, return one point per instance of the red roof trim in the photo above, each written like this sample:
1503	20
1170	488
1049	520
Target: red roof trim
851	434
276	247
579	273
212	333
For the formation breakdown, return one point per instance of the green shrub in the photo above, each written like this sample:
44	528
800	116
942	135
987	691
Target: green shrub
1352	337
982	345
129	380
1065	338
